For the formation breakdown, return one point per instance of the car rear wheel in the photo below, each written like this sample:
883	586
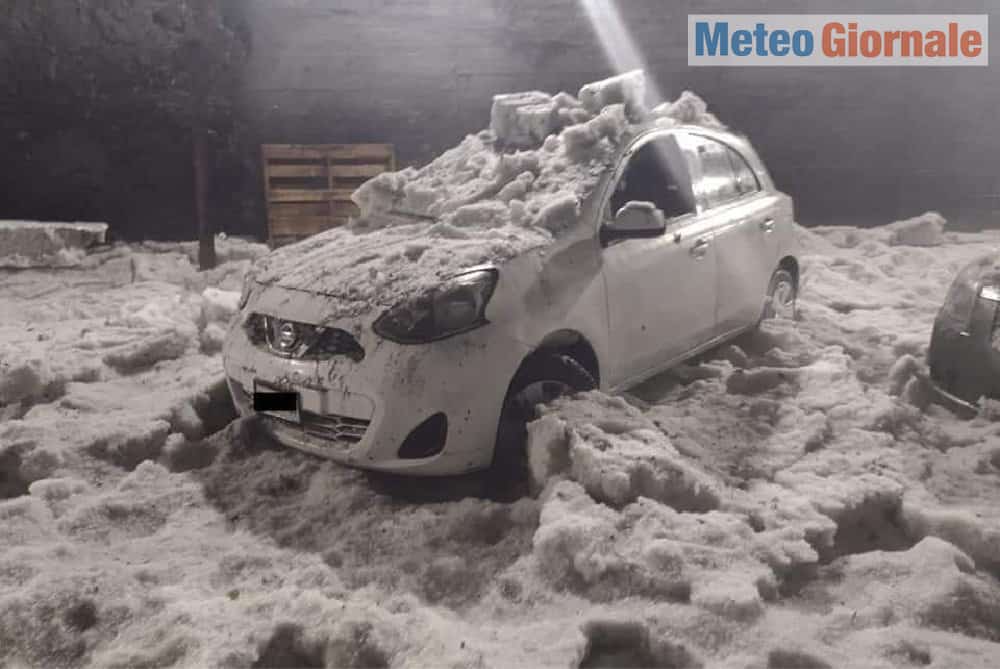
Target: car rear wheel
542	378
782	293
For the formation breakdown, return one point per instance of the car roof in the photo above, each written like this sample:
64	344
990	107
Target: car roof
725	135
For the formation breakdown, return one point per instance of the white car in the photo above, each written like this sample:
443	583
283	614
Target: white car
683	244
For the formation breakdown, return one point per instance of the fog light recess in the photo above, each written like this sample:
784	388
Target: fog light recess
426	439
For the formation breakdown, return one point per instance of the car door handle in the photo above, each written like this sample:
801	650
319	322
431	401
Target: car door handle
767	225
700	248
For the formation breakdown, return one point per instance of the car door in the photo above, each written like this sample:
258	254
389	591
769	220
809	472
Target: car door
660	291
742	217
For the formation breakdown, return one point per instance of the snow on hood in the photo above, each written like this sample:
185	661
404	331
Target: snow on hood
514	187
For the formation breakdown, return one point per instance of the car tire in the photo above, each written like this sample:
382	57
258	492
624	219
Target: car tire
563	375
782	294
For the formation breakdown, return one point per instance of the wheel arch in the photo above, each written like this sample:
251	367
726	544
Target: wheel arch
574	344
791	265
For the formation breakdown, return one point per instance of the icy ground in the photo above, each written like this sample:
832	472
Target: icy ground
789	501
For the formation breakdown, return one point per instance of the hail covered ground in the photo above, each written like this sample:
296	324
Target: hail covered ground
789	500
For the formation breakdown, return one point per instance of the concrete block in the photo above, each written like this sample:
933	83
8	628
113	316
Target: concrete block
37	244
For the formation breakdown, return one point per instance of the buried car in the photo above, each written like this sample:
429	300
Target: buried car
964	353
419	342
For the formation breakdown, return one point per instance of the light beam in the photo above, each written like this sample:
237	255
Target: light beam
618	45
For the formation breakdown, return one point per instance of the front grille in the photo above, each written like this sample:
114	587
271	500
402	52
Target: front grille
330	428
335	428
292	339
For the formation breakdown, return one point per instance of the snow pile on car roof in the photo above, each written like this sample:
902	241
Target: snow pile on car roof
560	144
505	190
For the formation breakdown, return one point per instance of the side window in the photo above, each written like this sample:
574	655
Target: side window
718	183
746	180
656	173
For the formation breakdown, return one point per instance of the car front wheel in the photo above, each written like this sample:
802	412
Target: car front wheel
542	378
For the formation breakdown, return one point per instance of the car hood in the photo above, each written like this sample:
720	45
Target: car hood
360	269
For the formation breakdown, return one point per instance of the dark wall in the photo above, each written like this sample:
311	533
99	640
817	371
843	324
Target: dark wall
98	103
859	145
92	97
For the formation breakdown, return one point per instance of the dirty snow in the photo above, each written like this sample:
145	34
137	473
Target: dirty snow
503	191
783	502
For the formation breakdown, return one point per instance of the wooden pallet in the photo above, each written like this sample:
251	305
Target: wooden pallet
309	186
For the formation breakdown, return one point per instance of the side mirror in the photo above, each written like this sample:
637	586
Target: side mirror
636	220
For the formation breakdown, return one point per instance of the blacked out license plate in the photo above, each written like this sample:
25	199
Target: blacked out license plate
274	401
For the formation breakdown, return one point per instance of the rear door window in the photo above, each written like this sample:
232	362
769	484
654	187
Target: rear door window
721	174
746	180
718	179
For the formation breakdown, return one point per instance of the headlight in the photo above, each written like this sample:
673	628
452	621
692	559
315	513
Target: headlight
248	281
456	306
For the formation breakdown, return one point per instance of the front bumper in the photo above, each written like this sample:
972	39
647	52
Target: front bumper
360	413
